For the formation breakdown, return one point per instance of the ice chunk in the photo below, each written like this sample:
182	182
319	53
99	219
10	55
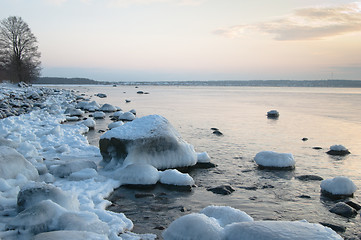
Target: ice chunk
115	124
76	112
174	177
338	186
83	174
61	235
90	123
108	108
68	168
138	174
99	115
193	226
203	157
226	215
34	192
124	116
82	221
150	139
13	163
275	230
269	159
38	218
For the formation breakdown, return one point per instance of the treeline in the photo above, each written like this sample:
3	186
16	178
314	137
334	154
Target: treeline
59	80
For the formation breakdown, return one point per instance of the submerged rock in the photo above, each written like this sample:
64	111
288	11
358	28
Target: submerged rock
151	140
309	178
343	209
223	190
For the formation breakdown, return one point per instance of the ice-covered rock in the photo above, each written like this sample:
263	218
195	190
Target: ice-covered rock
101	95
108	108
83	174
90	123
174	177
150	139
193	226
276	230
338	187
35	192
61	235
99	115
124	116
12	163
75	112
273	114
40	217
269	159
226	215
115	124
88	106
72	118
138	174
203	157
338	150
65	169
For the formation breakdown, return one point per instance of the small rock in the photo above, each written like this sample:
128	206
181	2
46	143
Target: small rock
214	129
160	228
218	133
304	139
334	227
343	209
223	190
144	195
317	148
309	178
304	196
101	95
140	92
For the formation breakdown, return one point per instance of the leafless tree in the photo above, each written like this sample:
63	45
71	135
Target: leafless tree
19	55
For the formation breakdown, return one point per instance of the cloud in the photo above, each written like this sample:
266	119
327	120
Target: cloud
126	3
305	24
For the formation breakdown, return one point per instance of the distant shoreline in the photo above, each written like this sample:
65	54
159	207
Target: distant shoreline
245	83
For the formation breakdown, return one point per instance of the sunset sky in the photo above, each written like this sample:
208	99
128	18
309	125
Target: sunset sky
167	40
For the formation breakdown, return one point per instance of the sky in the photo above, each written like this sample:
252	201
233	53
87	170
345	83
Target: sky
178	40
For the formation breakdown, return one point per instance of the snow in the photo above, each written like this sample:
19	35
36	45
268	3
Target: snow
125	116
226	215
226	223
274	159
338	186
278	230
138	174
203	157
174	177
99	115
115	124
90	123
338	148
194	226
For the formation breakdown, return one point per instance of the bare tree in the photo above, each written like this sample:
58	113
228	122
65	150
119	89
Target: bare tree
19	55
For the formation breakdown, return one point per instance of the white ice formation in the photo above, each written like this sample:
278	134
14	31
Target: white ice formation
269	159
338	186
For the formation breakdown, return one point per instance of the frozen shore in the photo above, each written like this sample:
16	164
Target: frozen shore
64	163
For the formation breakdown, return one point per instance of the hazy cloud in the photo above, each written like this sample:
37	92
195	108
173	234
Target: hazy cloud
306	24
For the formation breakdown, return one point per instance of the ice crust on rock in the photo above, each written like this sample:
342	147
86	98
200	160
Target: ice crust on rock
270	159
138	174
65	169
115	124
151	140
339	186
226	223
108	108
174	177
99	115
203	157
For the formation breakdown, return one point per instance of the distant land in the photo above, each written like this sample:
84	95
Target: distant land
247	83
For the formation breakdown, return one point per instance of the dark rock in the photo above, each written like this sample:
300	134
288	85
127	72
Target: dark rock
304	196
101	95
317	148
252	198
218	133
140	92
205	165
101	131
309	178
344	210
160	228
214	129
336	228
354	205
304	139
267	186
335	196
180	188
223	190
338	153
273	114
253	188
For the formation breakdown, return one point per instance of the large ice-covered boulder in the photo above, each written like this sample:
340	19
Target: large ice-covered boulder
270	159
151	140
13	163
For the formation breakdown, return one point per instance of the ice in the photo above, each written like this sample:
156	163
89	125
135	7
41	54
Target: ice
203	157
276	230
193	226
83	174
99	115
174	177
338	186
226	215
90	123
138	174
13	163
65	169
108	108
76	112
151	140
124	116
72	118
274	159
62	235
115	124
89	106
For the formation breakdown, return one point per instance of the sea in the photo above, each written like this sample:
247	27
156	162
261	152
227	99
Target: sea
309	118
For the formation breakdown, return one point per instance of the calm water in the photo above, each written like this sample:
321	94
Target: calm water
326	116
